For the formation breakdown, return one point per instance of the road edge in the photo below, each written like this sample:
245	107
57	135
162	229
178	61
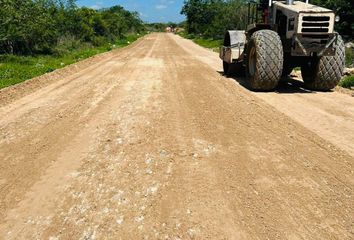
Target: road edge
14	92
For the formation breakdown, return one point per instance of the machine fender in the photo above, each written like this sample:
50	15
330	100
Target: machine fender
233	47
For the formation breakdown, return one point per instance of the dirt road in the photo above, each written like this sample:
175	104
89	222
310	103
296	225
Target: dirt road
152	142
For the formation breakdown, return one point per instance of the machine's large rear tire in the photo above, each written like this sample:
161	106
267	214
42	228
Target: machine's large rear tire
323	74
264	60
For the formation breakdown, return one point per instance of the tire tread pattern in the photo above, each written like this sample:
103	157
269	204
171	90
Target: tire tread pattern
329	71
269	62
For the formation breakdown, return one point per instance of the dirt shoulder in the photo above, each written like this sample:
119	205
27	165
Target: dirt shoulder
12	93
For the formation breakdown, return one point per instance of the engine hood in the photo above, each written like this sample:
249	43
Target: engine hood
301	7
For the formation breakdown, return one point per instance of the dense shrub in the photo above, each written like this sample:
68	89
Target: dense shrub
347	82
211	18
44	26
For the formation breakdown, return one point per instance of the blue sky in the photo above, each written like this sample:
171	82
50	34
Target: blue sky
149	10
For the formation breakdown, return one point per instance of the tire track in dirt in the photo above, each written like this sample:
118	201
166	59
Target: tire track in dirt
34	134
328	114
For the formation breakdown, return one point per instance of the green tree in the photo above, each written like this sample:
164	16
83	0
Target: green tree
198	16
38	26
212	18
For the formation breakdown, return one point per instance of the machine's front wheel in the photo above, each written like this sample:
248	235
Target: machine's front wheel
264	60
323	74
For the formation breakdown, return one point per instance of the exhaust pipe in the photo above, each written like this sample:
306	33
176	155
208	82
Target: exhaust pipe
289	2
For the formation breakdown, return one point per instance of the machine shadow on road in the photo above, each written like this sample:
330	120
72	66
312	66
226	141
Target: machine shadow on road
285	86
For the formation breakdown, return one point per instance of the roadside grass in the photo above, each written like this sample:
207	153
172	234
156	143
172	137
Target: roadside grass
347	82
15	69
213	44
209	43
349	57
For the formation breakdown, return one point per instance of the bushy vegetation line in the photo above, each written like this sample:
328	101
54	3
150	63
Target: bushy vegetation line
211	18
39	36
46	26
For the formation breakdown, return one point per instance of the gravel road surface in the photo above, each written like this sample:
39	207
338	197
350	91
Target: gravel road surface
152	142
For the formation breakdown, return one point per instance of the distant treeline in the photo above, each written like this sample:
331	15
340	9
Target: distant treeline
44	26
211	18
161	27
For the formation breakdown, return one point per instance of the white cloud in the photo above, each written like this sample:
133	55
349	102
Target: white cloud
167	2
98	5
160	6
